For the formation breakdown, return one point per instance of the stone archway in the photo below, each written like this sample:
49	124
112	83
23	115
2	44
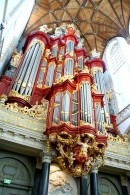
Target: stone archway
16	176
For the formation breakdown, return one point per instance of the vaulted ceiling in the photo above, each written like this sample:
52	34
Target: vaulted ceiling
97	20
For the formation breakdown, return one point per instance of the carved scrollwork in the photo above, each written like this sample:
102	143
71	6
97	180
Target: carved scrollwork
38	111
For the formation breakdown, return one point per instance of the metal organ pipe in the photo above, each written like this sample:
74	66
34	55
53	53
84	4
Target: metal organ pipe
68	69
50	73
54	51
56	108
105	98
99	80
69	46
85	90
34	72
99	117
65	107
86	103
74	109
23	69
101	84
29	70
90	103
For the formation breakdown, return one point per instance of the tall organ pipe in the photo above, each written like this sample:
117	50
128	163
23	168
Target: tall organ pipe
29	70
106	109
90	103
23	69
34	72
85	101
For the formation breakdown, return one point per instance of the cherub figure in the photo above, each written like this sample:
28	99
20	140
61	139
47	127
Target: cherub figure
60	149
71	159
84	146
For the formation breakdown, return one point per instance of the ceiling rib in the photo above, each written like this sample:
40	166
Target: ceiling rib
97	20
116	14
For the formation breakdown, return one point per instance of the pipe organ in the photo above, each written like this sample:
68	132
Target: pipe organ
55	68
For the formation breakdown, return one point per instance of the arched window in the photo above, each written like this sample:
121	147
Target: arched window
117	58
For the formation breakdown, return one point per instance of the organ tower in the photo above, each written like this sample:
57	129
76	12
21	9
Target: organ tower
55	66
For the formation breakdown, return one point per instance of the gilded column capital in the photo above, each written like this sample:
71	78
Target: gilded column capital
46	153
46	157
96	165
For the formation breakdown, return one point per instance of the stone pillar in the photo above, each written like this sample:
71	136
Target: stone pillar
124	184
83	185
46	161
94	182
37	176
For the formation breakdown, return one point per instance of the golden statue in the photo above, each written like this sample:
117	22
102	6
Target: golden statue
16	57
94	88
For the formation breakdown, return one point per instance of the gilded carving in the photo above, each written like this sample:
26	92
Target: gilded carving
47	53
64	78
95	69
14	93
61	183
3	98
44	28
16	57
86	70
37	111
77	155
94	88
37	41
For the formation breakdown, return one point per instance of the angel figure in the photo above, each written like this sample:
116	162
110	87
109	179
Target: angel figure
71	159
60	149
84	146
